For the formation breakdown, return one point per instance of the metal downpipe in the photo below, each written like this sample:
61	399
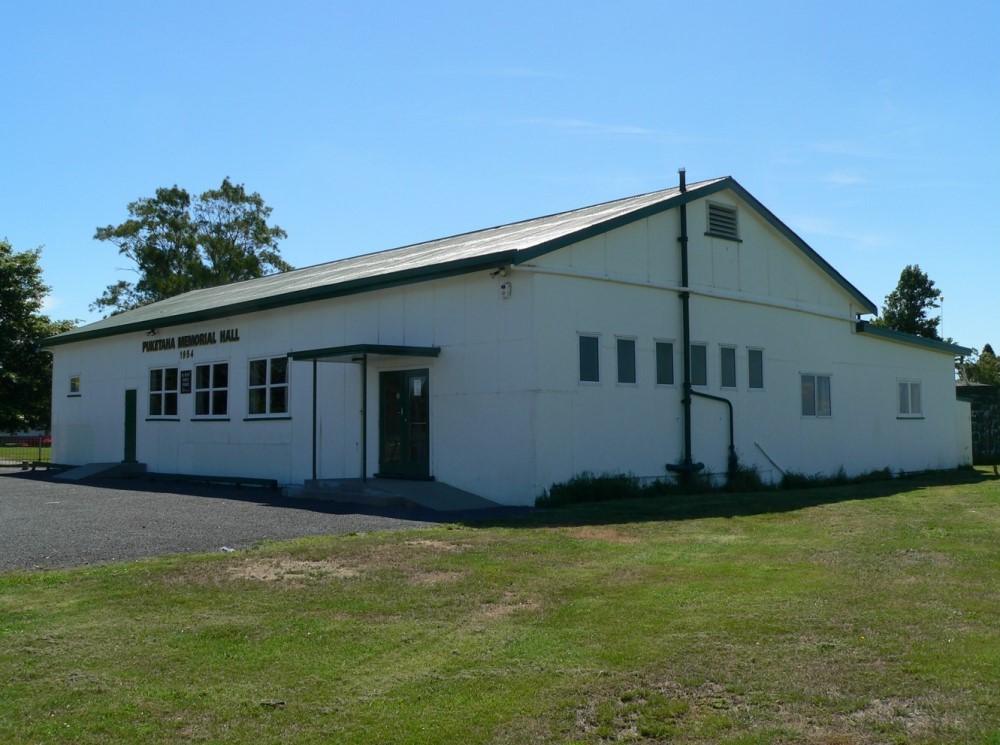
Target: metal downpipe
686	467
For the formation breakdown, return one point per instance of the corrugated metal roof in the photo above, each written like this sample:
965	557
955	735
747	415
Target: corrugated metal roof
505	244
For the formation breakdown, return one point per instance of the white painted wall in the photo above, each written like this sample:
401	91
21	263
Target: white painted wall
761	293
508	415
481	402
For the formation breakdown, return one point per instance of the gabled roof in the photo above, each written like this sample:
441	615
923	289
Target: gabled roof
504	245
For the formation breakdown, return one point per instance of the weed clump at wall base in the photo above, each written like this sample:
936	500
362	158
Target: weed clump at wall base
608	487
795	480
587	487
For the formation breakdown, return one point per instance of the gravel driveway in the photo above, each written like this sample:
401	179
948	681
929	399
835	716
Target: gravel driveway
46	523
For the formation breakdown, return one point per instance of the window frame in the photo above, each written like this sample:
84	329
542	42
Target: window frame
163	393
212	390
74	385
751	352
625	341
816	412
724	351
581	336
269	387
910	384
657	343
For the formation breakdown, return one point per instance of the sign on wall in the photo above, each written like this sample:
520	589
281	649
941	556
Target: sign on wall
189	341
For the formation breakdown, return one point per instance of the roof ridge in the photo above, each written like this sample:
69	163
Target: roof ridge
670	191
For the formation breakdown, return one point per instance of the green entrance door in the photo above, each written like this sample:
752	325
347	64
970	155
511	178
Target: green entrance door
131	421
404	419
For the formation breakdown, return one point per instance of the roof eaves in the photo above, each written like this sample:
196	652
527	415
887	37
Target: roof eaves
865	327
323	292
792	236
693	192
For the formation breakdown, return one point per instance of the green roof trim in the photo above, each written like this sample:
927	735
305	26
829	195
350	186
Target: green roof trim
352	350
504	245
865	327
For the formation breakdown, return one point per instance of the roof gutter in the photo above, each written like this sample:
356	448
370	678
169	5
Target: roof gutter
865	327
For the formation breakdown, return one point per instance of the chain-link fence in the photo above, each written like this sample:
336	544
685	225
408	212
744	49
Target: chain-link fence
18	449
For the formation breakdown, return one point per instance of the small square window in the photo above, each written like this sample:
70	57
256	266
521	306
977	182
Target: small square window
268	387
910	404
626	360
664	363
816	396
163	391
590	368
755	364
74	385
699	364
727	367
211	394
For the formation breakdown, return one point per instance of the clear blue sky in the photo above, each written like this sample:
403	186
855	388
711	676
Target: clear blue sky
871	128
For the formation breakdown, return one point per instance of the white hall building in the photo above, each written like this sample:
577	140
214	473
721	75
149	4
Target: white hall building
508	359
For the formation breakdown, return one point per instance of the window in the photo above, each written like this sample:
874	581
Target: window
699	364
909	399
727	367
816	395
626	360
268	393
664	363
211	389
163	391
590	367
722	222
755	364
74	385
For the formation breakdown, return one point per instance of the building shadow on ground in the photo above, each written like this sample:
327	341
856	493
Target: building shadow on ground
669	507
720	504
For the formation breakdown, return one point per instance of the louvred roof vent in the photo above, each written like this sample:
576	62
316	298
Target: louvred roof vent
722	222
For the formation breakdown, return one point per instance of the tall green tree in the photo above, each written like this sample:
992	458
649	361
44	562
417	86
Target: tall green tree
179	243
906	308
983	368
25	371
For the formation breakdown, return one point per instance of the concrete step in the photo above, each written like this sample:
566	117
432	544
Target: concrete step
381	492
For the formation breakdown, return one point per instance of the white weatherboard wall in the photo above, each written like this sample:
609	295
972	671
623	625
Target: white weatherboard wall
508	414
480	406
761	294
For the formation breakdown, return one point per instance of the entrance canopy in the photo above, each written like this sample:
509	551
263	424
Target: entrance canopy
355	354
362	352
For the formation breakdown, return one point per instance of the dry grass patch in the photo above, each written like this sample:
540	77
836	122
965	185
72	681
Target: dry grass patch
602	533
438	577
508	605
436	545
292	570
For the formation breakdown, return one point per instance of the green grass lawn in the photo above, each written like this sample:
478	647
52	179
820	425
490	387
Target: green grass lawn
18	453
862	614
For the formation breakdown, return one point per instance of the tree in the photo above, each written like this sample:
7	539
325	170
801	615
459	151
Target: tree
984	368
25	371
180	244
906	307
